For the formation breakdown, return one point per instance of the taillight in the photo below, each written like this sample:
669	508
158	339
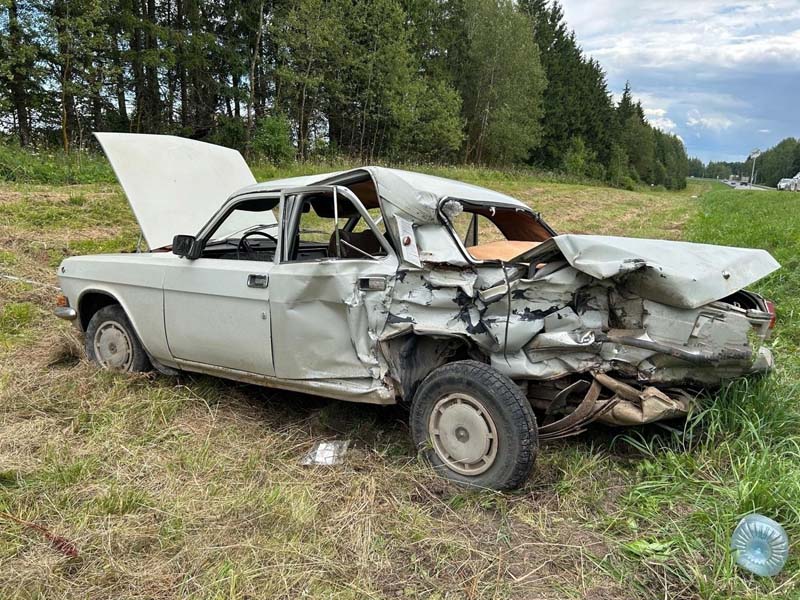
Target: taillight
771	310
61	301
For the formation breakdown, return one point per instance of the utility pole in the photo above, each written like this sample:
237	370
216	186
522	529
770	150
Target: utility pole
754	155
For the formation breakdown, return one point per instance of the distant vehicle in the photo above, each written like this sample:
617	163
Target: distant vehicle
743	184
786	184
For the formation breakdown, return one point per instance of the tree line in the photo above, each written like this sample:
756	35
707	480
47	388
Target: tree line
779	162
492	82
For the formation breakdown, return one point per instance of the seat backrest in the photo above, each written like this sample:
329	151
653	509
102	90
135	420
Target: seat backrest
364	240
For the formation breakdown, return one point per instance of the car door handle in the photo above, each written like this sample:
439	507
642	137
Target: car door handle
257	281
372	283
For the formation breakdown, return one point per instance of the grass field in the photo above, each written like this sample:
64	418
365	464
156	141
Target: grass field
191	487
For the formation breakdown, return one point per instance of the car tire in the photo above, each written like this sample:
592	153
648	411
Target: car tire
112	343
475	426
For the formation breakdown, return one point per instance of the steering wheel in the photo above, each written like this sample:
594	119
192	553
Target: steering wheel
244	246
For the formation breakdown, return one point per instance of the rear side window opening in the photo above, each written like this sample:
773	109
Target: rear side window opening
493	233
316	230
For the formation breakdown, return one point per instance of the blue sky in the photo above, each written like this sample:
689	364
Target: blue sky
724	76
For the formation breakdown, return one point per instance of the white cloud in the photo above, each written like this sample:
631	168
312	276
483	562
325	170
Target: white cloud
657	117
724	74
713	122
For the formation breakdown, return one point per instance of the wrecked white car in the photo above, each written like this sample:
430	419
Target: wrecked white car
384	286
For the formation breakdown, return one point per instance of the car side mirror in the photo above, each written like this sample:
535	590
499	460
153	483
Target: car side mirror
186	245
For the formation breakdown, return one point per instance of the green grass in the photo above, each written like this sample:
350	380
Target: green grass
191	488
52	167
73	211
15	320
740	453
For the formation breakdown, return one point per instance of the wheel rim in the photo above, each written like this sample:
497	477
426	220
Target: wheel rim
463	434
113	347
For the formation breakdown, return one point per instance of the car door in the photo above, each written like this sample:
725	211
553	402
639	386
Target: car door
327	311
216	307
216	312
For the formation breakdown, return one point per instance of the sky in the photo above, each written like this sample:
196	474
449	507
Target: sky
724	76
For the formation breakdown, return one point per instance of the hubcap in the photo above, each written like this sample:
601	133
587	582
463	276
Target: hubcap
463	434
113	347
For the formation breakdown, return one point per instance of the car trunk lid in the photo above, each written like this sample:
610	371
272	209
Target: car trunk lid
681	274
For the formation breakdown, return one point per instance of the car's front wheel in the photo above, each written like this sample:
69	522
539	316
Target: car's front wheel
112	343
475	426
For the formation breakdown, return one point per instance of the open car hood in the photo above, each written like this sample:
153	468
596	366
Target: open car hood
174	185
681	274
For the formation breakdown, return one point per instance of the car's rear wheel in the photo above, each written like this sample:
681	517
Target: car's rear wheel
112	343
475	426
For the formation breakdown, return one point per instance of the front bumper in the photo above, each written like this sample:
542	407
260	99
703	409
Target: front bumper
66	312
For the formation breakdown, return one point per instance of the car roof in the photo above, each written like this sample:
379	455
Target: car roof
416	194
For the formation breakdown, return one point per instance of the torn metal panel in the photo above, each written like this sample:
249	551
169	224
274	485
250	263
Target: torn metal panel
412	357
436	245
461	278
561	321
363	333
634	407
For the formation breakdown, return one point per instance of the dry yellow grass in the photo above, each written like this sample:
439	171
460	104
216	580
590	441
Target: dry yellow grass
191	487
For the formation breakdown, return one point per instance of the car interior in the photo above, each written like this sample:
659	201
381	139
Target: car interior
315	234
317	231
493	233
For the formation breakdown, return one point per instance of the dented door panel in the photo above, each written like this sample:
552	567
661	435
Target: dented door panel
324	325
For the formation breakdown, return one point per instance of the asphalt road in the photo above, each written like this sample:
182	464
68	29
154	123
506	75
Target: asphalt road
758	188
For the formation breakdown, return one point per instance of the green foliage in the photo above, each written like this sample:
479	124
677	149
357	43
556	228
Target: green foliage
230	132
780	161
722	170
738	452
45	213
272	139
654	157
618	173
581	162
696	167
15	318
430	124
52	167
576	100
627	183
499	82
